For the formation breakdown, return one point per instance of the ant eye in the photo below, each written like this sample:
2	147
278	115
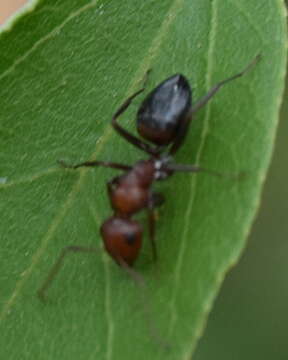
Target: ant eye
130	238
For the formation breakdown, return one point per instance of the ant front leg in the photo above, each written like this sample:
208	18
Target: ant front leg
138	279
156	200
57	266
146	302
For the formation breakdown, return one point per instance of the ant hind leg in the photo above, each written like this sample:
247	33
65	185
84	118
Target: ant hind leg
126	134
203	101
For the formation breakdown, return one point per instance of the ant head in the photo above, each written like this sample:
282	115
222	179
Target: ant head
122	238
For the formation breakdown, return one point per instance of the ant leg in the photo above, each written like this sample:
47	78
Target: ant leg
131	272
203	101
195	169
156	199
57	266
127	135
146	302
97	163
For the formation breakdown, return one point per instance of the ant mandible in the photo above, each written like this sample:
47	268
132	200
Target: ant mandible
163	119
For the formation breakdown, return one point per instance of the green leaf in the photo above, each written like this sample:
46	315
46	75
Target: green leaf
65	67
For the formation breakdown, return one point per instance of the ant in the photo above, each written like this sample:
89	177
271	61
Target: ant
163	119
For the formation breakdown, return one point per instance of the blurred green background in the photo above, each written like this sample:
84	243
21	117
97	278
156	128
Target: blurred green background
250	317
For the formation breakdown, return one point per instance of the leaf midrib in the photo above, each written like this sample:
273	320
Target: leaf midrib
193	179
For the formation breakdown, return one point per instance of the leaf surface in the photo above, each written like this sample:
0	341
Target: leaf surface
65	67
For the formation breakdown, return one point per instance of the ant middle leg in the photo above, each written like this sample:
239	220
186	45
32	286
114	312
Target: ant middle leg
107	164
197	169
58	264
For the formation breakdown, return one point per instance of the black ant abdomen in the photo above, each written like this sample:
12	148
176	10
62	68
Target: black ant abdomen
165	110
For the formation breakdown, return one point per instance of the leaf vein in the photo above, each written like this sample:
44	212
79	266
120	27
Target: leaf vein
50	35
193	181
43	245
107	293
29	179
250	21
